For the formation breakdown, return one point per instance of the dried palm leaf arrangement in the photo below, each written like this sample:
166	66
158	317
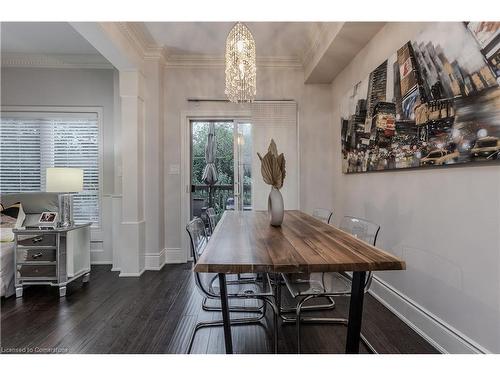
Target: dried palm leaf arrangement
273	166
273	172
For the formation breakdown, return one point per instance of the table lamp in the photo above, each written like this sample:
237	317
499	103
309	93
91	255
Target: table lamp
65	181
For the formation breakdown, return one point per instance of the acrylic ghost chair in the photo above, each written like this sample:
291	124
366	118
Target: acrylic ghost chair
329	284
212	223
326	216
212	219
236	291
323	214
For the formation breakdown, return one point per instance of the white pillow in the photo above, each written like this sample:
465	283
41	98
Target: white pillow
6	235
9	222
20	217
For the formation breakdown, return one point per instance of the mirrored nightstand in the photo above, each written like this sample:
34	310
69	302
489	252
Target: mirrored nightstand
51	256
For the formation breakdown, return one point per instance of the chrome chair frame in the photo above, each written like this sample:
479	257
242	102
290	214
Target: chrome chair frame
298	319
326	216
323	214
212	223
209	293
212	219
206	307
313	320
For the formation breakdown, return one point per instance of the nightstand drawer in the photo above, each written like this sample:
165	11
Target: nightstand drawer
48	239
36	255
46	271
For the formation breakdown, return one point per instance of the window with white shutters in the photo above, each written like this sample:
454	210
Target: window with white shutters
31	142
19	156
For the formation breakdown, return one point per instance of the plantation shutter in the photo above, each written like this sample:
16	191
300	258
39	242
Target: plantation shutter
19	156
275	120
32	142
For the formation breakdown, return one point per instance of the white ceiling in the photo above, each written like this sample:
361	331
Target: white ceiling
43	38
322	48
273	39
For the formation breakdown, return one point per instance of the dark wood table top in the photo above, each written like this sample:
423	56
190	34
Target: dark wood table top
244	242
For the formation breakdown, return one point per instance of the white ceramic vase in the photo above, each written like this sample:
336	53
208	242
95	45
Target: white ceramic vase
275	207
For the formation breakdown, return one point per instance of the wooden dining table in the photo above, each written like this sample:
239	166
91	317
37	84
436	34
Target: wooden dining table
244	242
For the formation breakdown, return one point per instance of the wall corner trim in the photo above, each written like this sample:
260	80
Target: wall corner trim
155	261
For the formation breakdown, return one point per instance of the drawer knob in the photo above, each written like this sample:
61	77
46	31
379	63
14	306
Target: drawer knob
37	239
37	255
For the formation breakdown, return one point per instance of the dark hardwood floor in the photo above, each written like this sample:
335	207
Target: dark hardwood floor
156	313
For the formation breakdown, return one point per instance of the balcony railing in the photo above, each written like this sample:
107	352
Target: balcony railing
222	198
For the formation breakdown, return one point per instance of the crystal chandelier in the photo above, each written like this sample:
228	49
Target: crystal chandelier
241	70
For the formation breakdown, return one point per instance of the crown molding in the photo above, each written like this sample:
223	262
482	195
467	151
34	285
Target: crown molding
141	33
155	53
79	61
144	44
141	40
194	61
293	62
132	34
207	61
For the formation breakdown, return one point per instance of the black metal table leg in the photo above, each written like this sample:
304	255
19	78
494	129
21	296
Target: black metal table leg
277	290
355	312
225	313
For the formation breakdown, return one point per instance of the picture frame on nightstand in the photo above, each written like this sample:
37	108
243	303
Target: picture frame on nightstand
48	218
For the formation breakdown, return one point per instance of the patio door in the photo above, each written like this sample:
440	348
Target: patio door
231	189
243	166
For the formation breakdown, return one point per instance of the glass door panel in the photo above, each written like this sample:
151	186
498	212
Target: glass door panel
243	166
220	195
233	165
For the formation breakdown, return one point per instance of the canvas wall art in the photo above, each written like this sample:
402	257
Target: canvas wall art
434	102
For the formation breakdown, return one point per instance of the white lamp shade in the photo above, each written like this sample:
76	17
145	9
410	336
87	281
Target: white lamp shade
64	180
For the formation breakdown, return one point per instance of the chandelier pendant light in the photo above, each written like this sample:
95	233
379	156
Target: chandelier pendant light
241	69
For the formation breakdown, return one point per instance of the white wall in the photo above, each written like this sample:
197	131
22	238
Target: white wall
445	223
315	137
73	87
154	180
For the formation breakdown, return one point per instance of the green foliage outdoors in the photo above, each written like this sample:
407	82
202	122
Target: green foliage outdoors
224	163
224	152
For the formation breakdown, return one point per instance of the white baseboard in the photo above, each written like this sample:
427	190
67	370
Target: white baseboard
438	333
98	256
116	269
155	261
175	255
131	274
